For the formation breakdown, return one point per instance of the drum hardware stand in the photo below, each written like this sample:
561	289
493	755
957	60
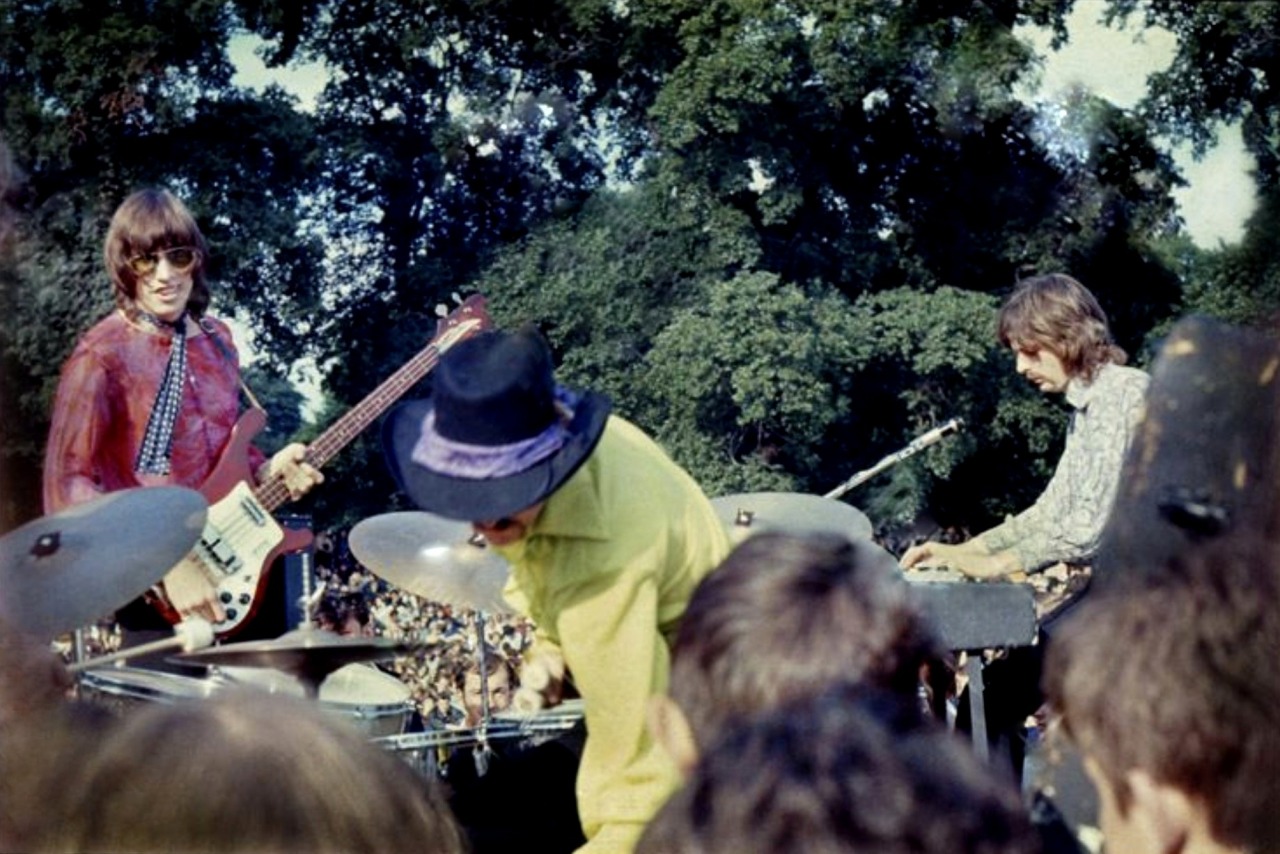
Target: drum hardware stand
309	599
482	750
189	635
917	445
78	646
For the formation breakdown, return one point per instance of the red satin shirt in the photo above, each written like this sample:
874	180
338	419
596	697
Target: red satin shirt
104	398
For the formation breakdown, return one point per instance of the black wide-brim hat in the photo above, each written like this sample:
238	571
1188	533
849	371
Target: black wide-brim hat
492	389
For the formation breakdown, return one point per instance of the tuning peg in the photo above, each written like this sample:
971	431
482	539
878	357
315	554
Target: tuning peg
457	298
442	310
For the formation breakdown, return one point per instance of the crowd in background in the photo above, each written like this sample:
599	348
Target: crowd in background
444	636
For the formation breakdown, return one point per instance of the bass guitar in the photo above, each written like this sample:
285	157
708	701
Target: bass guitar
241	539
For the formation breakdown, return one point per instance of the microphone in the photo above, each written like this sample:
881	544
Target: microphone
189	635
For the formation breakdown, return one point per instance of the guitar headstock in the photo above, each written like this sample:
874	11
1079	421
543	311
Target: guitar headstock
464	321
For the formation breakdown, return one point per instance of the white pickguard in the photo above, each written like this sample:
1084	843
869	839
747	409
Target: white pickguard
237	538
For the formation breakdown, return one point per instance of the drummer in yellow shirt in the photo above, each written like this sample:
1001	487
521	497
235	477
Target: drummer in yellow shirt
607	538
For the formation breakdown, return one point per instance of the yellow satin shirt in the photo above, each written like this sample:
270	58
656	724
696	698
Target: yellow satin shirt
605	572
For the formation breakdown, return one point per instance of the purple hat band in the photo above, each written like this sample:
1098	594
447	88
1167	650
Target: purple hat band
483	462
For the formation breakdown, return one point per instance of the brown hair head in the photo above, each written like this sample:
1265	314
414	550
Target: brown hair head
1175	675
1057	313
244	771
149	220
786	616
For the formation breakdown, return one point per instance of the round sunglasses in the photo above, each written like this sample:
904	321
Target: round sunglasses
180	258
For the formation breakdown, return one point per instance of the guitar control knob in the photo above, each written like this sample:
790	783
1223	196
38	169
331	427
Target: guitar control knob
245	598
231	614
225	597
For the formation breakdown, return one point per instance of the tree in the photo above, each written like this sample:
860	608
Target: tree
1224	70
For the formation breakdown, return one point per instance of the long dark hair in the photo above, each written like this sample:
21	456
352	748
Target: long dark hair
146	221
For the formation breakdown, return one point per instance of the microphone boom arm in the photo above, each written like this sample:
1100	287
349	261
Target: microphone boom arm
917	445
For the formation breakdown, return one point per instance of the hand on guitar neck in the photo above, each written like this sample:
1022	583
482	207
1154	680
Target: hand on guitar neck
290	464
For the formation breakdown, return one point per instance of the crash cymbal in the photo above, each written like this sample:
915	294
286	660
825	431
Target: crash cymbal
308	654
432	557
789	512
69	568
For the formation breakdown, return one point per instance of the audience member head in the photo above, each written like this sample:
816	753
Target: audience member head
836	774
33	679
147	222
1170	688
784	617
345	614
499	678
1058	314
243	772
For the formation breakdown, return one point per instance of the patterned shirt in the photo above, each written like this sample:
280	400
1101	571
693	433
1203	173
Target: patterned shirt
1065	524
605	573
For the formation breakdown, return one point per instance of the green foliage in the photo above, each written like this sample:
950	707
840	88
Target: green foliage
758	367
775	234
283	404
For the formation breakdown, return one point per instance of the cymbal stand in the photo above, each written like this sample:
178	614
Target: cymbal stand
482	751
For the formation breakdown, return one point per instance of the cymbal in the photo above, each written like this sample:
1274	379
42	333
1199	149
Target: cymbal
790	513
69	568
308	654
432	557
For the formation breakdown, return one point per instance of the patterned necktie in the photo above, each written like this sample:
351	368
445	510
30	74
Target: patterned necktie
157	442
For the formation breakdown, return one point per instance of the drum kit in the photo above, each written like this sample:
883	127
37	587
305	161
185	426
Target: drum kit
63	571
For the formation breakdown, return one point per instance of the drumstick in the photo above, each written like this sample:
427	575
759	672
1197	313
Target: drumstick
191	634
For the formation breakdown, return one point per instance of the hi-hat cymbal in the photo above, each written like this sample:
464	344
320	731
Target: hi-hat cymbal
69	568
308	654
432	557
790	513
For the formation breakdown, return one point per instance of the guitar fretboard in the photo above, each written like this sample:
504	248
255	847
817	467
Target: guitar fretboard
466	320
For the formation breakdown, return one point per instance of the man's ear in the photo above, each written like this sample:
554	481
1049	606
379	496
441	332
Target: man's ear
1164	813
670	728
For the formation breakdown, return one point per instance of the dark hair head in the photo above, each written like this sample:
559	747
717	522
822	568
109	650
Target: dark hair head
1057	313
336	608
490	659
785	617
833	775
1175	675
147	221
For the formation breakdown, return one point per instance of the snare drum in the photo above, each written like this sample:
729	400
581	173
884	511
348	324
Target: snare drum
119	689
376	702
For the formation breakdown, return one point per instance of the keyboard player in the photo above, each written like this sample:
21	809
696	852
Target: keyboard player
1060	342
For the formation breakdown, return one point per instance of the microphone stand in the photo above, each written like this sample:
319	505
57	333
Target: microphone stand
917	445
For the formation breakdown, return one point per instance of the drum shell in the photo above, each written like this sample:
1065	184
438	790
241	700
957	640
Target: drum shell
119	689
377	703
